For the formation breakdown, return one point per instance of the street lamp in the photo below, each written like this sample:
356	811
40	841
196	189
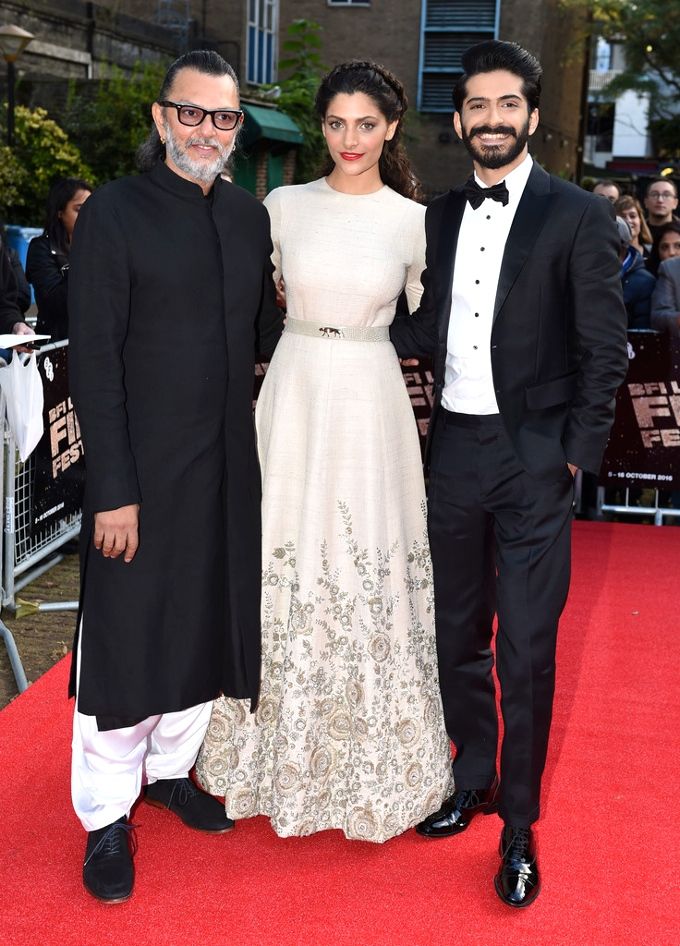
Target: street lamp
13	41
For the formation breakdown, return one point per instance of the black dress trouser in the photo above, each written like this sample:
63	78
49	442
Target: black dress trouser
500	542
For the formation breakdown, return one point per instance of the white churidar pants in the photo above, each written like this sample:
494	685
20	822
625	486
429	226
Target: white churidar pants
108	768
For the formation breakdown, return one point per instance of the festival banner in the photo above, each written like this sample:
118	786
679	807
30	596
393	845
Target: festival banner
58	459
644	445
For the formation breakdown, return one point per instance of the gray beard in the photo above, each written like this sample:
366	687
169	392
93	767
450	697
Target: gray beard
200	171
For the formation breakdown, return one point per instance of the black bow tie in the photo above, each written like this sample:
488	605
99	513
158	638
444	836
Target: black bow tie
476	194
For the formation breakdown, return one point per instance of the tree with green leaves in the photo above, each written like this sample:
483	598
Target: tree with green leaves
109	118
649	31
42	152
303	67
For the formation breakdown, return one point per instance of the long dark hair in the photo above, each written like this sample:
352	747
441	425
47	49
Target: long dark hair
388	94
654	260
206	61
61	192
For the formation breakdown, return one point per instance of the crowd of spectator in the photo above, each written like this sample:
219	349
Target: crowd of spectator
650	268
650	244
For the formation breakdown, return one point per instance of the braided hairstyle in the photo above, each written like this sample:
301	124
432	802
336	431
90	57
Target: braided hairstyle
379	84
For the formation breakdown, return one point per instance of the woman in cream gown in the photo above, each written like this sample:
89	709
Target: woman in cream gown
349	731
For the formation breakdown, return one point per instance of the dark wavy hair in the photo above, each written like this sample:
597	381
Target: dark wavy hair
495	54
206	61
655	260
60	193
388	94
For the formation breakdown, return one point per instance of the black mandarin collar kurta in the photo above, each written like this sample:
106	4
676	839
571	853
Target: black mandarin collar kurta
170	294
168	180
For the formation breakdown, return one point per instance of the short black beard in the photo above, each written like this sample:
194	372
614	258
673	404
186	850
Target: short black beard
493	156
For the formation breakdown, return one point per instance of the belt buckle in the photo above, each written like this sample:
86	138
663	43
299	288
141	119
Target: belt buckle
328	331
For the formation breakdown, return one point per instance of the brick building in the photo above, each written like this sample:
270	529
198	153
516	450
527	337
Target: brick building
75	39
420	40
80	41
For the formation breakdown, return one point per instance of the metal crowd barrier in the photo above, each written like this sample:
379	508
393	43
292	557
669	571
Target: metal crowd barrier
628	508
27	552
5	633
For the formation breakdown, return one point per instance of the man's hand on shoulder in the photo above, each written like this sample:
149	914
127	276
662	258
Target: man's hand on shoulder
116	532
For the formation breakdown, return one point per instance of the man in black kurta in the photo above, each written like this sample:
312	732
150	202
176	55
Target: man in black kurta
170	295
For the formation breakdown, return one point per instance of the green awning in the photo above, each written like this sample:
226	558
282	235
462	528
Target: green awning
270	124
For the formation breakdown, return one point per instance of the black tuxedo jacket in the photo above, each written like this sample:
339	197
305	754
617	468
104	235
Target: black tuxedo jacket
558	342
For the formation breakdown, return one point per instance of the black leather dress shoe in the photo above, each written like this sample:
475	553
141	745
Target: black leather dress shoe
458	811
196	808
108	871
517	882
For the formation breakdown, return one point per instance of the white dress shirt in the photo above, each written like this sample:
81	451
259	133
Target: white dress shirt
468	381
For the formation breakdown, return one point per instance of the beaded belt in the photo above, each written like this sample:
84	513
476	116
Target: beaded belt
352	333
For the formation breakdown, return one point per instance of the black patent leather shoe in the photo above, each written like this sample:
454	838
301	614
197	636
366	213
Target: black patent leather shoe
517	882
458	811
196	808
108	871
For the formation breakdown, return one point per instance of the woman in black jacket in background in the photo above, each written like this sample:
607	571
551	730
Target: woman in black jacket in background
23	290
47	259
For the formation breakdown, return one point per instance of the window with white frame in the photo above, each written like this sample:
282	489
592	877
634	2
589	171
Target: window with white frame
448	28
263	16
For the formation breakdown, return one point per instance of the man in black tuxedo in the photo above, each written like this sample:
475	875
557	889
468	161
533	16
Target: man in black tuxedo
522	310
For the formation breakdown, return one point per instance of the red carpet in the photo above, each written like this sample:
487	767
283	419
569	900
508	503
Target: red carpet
608	841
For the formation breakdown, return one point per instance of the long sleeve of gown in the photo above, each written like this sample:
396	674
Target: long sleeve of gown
273	204
414	285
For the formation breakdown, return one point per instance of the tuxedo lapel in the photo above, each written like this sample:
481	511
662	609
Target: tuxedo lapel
446	253
531	214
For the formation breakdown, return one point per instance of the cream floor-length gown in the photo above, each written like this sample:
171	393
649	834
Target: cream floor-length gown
349	730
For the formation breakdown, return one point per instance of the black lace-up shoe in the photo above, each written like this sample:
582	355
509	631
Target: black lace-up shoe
458	811
517	882
197	809
108	871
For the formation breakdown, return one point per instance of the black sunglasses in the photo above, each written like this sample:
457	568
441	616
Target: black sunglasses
224	119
